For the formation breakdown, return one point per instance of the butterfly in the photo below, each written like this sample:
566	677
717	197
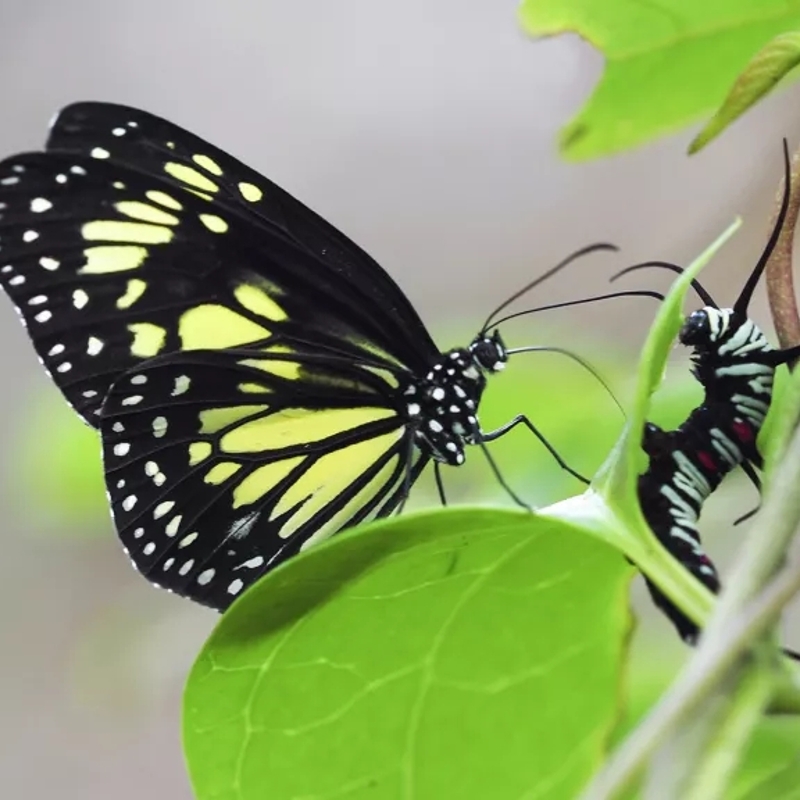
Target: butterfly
258	381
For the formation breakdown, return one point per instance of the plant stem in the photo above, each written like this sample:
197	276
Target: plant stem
779	274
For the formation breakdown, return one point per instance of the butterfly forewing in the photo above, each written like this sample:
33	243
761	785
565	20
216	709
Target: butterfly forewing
162	149
220	464
110	267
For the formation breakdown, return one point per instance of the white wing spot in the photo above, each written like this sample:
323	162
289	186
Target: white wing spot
65	367
187	540
159	427
17	280
39	204
79	298
9	181
93	346
43	316
89	393
122	449
253	563
205	576
181	385
173	525
39	300
163	508
138	533
132	400
49	263
76	170
168	563
149	548
61	178
99	152
137	380
56	350
129	502
235	586
30	236
119	131
186	566
121	483
151	468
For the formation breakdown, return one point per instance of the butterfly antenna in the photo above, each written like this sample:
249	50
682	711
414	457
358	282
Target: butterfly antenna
592	248
585	364
696	285
740	306
631	293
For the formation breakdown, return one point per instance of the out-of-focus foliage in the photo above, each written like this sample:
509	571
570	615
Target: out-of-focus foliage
772	760
667	63
56	481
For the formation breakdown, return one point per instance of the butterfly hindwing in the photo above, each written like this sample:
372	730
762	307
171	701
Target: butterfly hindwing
221	464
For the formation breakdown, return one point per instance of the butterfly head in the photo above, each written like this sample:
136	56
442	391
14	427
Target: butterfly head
489	353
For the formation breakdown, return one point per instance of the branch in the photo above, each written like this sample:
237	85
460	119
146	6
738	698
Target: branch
780	280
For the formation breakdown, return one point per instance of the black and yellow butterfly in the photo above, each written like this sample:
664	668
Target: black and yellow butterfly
259	382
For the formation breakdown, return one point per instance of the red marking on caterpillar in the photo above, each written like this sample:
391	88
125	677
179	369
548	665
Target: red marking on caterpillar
744	433
707	461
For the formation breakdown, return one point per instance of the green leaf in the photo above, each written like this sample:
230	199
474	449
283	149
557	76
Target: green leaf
767	67
667	63
464	653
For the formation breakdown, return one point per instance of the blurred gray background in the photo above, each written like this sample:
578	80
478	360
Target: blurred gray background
426	131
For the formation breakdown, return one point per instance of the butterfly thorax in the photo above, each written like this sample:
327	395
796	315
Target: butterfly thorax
441	408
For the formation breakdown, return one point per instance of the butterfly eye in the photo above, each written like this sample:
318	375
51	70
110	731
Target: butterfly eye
489	354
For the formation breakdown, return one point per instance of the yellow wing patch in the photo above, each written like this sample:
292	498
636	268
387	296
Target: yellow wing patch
199	451
255	299
215	419
214	223
328	478
263	480
103	259
354	505
133	291
145	212
207	163
148	339
164	199
250	192
113	231
294	427
190	176
215	327
221	472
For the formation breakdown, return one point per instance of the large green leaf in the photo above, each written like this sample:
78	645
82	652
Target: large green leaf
667	63
463	653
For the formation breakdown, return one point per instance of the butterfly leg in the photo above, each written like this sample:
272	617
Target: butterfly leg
437	471
500	479
748	470
408	478
522	419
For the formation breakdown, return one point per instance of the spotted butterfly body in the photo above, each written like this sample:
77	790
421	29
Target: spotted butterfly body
258	381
